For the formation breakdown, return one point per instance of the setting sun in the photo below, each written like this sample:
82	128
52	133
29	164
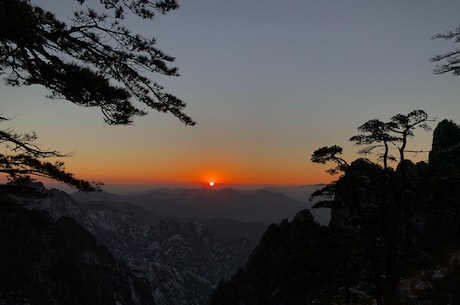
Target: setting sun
211	183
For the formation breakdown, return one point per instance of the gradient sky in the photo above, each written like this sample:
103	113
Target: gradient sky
268	83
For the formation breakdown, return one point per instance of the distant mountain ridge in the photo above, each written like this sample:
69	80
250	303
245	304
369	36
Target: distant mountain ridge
259	206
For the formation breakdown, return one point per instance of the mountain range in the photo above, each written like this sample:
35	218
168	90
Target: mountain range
267	205
183	241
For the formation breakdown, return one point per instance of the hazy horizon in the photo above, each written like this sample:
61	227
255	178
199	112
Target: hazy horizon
126	188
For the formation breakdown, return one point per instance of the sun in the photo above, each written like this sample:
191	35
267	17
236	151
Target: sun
211	184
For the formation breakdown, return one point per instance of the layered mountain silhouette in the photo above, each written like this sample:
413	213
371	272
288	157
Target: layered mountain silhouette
255	206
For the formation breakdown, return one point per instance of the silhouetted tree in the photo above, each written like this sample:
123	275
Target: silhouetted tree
327	154
330	153
375	134
404	126
450	60
25	160
93	61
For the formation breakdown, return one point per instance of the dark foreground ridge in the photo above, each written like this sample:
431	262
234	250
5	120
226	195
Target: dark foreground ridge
45	261
286	268
393	239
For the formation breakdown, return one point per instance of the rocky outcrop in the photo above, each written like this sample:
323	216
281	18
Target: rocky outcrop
446	137
445	160
297	262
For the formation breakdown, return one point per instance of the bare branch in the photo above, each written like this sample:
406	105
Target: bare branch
24	161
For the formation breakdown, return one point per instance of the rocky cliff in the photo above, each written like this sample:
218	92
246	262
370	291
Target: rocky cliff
183	260
293	264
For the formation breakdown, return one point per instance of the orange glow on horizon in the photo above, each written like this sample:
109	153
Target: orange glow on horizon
198	173
209	178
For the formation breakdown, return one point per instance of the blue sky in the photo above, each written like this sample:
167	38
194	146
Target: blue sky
268	82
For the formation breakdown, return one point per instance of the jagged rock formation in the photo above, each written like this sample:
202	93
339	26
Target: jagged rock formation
393	239
445	157
183	260
292	264
446	138
298	262
45	261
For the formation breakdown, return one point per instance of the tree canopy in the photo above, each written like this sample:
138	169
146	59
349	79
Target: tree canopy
375	134
92	61
330	153
403	125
